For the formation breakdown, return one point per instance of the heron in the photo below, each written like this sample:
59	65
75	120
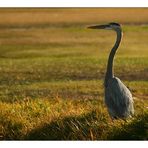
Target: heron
118	98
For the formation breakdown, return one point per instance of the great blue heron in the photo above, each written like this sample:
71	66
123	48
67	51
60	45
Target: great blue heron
118	98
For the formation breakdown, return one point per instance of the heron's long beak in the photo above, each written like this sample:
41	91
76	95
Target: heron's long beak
99	27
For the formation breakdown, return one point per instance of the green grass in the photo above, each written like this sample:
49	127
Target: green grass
52	72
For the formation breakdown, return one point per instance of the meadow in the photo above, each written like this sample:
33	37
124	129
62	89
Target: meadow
52	71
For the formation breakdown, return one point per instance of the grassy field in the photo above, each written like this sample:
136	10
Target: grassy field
52	70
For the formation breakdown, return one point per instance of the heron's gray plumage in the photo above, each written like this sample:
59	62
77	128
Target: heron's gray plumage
118	98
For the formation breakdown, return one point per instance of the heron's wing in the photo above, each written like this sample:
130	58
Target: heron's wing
118	97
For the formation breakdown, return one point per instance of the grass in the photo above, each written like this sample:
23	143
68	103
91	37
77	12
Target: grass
69	119
52	70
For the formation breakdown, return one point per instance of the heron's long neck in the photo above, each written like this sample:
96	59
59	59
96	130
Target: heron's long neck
109	72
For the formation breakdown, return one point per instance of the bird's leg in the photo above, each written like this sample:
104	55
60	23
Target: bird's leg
112	120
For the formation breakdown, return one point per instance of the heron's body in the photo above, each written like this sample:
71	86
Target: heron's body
118	98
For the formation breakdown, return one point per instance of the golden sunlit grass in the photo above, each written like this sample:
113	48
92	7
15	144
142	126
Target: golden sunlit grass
52	70
67	119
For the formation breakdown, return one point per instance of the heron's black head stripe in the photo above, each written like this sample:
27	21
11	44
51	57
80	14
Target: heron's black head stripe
112	23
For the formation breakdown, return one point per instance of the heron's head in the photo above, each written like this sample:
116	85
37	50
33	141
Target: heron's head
110	26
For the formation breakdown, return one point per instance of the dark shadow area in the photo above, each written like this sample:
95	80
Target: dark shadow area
70	128
137	129
92	127
12	130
